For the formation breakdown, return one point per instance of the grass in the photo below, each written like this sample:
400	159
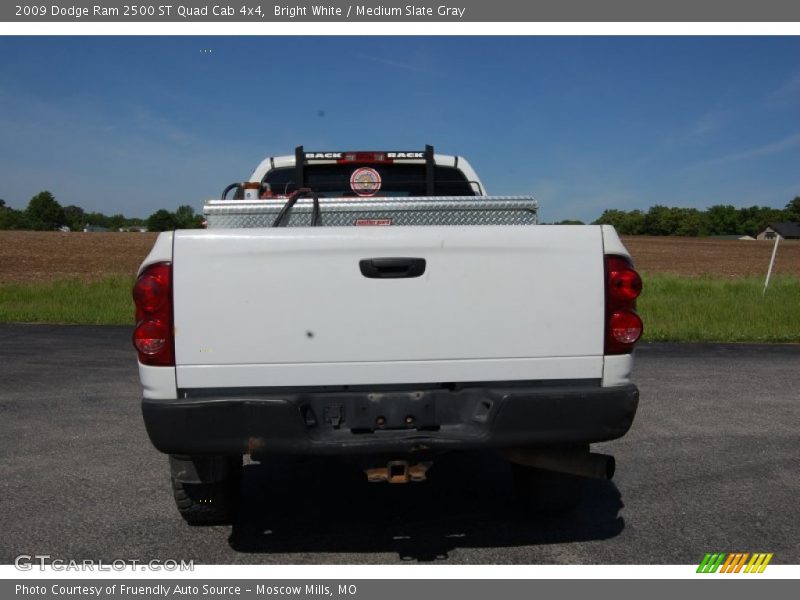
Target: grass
673	308
105	302
720	310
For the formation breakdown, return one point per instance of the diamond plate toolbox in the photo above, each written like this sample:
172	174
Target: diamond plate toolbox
339	212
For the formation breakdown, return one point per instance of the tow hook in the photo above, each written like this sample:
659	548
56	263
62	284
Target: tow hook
398	471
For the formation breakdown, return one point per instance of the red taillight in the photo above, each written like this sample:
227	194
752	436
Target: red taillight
624	284
150	337
150	291
623	326
153	336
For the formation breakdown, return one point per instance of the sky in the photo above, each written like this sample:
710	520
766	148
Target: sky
133	124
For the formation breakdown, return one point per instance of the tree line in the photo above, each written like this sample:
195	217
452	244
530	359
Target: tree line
44	213
721	219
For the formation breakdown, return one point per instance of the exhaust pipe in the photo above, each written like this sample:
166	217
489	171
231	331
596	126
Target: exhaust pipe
574	462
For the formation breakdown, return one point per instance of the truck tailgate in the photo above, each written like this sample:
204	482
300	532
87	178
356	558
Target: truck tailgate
290	306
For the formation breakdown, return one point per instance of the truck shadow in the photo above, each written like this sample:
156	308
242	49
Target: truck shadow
321	505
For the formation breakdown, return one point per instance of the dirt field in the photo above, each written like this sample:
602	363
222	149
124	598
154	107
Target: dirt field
29	256
708	256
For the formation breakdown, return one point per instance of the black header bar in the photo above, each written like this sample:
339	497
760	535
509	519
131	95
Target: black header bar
250	11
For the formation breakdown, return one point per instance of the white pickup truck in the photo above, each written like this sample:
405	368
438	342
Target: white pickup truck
379	306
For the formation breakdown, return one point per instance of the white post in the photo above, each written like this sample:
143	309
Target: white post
772	261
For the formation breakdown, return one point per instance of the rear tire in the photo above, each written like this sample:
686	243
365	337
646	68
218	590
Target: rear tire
214	502
547	492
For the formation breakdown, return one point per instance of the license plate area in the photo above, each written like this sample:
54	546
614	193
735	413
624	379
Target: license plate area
377	411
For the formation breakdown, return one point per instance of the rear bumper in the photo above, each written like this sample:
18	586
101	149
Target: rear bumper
390	421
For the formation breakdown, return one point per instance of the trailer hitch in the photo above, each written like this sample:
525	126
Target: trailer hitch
398	471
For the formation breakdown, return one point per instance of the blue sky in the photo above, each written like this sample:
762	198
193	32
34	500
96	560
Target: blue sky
132	124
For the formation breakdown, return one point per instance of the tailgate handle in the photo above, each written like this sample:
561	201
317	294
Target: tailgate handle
392	268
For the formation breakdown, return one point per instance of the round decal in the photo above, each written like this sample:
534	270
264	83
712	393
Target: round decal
365	181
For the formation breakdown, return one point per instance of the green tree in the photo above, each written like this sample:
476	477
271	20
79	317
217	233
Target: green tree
96	219
186	217
692	223
74	217
117	222
793	209
44	213
626	223
612	216
162	220
659	221
723	220
9	218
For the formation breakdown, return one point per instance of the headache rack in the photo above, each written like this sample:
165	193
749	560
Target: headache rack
302	158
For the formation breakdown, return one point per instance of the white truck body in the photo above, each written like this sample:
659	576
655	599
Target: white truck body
283	340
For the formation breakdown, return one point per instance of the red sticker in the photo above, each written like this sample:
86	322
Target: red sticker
365	181
373	221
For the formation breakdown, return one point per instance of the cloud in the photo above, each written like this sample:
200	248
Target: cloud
693	132
786	94
787	143
709	123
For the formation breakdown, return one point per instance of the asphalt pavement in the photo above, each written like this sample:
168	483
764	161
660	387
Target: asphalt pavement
712	463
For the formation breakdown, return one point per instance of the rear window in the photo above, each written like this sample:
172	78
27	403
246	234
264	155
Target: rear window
395	180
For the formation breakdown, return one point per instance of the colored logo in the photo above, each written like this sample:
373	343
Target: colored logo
736	562
365	181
